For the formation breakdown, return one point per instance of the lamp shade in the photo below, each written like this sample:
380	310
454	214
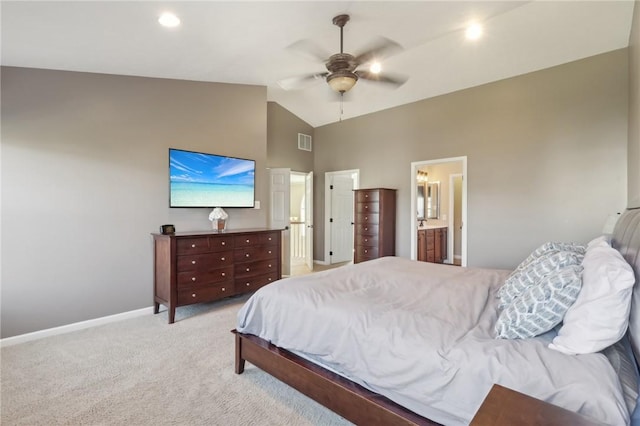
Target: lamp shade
342	81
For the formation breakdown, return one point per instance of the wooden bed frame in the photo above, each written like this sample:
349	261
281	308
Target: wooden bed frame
364	407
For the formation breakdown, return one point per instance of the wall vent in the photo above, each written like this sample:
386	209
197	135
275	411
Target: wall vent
304	142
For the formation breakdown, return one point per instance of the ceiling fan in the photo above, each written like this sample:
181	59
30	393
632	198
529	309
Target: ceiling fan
342	68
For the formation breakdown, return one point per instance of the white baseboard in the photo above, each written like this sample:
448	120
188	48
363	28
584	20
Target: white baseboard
27	337
320	262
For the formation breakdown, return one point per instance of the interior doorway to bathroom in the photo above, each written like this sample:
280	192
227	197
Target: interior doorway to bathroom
439	199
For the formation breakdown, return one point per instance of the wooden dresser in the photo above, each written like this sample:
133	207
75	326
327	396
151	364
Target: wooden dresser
375	223
432	245
194	267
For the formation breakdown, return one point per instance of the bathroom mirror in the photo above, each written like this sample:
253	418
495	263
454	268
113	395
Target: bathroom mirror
421	201
432	201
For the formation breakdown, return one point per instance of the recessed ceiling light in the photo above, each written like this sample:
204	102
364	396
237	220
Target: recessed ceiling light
473	31
168	19
375	67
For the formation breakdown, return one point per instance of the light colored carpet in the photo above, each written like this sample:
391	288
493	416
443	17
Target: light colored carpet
144	371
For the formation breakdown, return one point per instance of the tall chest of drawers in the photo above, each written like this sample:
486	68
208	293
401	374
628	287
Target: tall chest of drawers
195	267
375	223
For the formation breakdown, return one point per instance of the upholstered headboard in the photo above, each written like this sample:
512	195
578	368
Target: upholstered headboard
626	239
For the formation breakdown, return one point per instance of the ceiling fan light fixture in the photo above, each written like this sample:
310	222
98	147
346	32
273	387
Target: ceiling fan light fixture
342	81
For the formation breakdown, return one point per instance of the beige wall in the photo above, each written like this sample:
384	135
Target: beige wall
547	155
282	140
85	182
634	109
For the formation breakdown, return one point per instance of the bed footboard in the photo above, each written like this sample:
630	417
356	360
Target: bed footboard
342	396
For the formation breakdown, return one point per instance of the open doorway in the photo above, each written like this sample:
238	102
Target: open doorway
436	185
291	209
301	223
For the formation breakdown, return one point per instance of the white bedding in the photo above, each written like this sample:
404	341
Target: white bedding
422	335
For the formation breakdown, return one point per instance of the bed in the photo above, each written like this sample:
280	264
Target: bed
394	341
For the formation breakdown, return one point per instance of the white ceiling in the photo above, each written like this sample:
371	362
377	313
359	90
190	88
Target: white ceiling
247	43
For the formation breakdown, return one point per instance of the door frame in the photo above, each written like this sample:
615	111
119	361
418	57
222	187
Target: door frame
451	230
415	165
355	174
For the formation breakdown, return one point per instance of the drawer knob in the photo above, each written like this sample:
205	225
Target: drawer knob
269	278
223	243
193	246
246	255
193	262
223	289
366	218
366	240
366	207
269	251
247	241
366	251
193	295
366	195
248	284
222	258
269	265
193	278
269	238
247	269
224	274
366	229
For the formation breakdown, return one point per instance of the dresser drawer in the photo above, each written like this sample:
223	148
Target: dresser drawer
366	218
364	196
255	253
254	283
194	245
220	243
200	262
368	229
199	294
269	239
252	269
367	240
367	207
191	278
363	252
246	240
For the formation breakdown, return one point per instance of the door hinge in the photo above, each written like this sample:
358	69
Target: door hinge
330	220
330	253
330	186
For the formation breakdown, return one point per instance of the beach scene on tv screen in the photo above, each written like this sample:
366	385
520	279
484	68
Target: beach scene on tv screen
204	180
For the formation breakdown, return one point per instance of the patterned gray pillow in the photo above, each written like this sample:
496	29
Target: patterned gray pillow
542	306
520	280
551	247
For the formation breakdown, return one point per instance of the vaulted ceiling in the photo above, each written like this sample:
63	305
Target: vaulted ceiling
252	43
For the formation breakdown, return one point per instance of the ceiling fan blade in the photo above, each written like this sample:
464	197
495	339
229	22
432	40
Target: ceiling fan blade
393	79
382	48
301	81
310	50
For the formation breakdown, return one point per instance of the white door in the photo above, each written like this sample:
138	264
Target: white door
308	219
341	219
279	190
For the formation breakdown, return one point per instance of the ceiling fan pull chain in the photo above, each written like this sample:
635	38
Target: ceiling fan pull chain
341	105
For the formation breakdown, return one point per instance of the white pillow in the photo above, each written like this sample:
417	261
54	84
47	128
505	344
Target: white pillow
601	239
600	315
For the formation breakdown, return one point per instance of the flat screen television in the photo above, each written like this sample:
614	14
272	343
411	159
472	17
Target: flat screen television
197	179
